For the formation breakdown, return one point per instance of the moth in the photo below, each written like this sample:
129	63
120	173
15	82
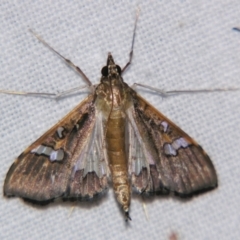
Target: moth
115	137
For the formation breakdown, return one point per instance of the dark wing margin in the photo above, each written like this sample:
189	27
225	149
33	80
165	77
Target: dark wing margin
59	164
171	160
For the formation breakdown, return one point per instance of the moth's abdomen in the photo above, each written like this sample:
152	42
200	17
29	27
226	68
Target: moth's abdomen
115	139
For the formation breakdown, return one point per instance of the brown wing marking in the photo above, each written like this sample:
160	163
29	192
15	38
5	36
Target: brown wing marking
180	164
44	171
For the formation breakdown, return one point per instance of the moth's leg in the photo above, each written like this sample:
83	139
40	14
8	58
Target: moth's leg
46	95
54	95
73	91
186	91
133	39
36	94
67	61
160	91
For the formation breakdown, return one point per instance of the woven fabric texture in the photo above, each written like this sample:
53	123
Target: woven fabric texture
178	45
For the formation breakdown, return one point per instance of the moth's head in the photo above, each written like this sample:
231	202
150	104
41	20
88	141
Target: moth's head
111	70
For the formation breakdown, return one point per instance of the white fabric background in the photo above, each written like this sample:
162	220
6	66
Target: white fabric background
179	45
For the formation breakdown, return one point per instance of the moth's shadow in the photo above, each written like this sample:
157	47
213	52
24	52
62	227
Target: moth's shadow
149	198
82	203
96	201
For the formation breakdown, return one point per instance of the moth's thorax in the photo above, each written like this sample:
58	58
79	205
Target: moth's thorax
112	93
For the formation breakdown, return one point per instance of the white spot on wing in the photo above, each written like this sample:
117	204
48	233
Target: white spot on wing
180	142
47	151
60	132
165	126
169	150
54	155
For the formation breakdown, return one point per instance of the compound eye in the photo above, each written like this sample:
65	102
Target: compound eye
105	71
119	70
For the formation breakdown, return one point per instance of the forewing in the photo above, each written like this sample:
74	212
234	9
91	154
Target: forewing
60	164
171	160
